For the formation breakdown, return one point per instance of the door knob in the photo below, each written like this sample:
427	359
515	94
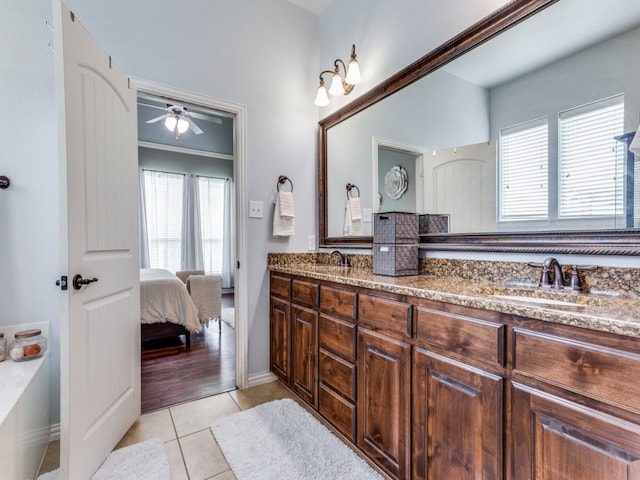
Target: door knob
78	281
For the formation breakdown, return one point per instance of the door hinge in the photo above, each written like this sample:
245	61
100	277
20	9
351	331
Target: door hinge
62	282
238	265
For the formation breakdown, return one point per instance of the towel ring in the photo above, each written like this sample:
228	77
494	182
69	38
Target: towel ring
282	180
350	187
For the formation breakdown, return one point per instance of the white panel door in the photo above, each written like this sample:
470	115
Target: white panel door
100	321
461	182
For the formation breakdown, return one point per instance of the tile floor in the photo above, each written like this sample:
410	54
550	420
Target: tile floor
193	452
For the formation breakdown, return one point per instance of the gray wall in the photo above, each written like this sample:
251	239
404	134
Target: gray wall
154	159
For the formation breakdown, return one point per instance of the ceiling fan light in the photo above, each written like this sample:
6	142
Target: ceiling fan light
170	123
183	125
336	88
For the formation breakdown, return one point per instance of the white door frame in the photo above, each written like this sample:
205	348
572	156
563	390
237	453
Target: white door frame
240	179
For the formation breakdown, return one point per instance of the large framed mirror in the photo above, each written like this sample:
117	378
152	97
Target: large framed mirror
450	129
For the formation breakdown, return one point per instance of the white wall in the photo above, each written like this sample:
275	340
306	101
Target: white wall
29	231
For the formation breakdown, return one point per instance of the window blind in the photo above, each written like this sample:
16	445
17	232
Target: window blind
591	165
163	202
523	171
211	194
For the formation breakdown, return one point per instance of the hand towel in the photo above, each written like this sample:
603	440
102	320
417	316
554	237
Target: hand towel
355	208
286	204
352	228
282	226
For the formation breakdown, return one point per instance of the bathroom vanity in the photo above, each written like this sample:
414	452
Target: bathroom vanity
436	377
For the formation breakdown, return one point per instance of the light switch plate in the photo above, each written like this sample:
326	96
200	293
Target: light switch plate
312	243
367	213
256	209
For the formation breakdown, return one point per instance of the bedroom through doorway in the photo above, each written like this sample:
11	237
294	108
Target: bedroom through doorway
187	205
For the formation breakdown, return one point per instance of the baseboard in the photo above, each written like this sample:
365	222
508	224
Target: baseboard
54	432
260	378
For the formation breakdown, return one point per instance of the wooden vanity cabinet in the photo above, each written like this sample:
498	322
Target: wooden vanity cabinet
280	327
384	383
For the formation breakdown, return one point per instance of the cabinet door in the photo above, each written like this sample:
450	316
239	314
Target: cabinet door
279	328
457	420
304	374
554	438
384	409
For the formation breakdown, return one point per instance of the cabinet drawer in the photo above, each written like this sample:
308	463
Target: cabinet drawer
306	293
338	302
280	285
340	412
338	374
602	373
385	314
339	337
464	335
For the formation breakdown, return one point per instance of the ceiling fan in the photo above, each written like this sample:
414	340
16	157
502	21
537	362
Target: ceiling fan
178	120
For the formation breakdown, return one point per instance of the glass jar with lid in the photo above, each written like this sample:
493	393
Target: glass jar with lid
28	345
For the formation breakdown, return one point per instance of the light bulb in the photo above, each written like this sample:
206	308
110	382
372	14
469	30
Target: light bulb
353	73
336	88
635	143
322	99
170	123
183	125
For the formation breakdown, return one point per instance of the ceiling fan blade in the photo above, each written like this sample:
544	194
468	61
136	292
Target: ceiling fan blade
194	128
209	118
148	105
157	119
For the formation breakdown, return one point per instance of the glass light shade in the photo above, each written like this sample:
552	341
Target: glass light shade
170	123
322	99
183	125
635	143
353	73
336	88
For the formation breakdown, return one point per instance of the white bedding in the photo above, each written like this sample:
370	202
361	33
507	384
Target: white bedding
164	298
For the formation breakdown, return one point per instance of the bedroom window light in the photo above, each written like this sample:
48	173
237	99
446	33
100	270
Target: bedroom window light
163	203
211	196
591	166
523	171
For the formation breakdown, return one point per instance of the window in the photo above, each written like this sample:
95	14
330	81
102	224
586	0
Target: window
591	165
523	171
211	194
163	203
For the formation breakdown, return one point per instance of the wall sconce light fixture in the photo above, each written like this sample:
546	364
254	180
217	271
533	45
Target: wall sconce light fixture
339	86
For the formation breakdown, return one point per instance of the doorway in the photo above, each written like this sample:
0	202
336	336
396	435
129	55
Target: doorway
223	351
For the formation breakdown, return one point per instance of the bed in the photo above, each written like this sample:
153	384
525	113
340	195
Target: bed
166	308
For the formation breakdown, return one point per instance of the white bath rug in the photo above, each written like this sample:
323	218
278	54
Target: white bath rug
229	317
142	461
279	440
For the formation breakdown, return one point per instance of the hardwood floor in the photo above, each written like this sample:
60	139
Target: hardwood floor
171	374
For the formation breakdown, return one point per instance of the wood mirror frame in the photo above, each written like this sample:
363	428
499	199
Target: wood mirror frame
587	242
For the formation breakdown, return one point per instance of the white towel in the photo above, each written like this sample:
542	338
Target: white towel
355	208
352	228
282	226
286	204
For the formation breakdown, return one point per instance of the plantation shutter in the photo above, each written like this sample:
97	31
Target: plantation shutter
591	165
523	171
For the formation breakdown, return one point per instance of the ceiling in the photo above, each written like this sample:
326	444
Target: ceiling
314	6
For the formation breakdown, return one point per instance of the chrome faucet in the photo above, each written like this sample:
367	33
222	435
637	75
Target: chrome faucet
343	259
545	278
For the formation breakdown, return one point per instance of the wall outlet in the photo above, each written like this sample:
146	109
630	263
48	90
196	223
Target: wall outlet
256	209
312	243
367	213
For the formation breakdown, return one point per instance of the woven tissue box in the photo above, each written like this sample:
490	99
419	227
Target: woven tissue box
395	260
395	227
434	223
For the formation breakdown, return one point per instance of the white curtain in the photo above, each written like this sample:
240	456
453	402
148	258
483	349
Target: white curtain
191	232
229	236
144	237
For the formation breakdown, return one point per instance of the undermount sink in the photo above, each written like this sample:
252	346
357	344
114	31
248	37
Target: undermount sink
543	301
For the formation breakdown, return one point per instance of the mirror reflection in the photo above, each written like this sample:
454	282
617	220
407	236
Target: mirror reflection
525	133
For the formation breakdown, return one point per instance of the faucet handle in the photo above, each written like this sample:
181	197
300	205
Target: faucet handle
545	280
574	283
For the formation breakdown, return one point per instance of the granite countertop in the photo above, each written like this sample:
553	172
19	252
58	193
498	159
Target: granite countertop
606	313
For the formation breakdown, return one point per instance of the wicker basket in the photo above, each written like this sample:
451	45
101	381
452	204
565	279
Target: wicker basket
395	227
395	260
434	223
